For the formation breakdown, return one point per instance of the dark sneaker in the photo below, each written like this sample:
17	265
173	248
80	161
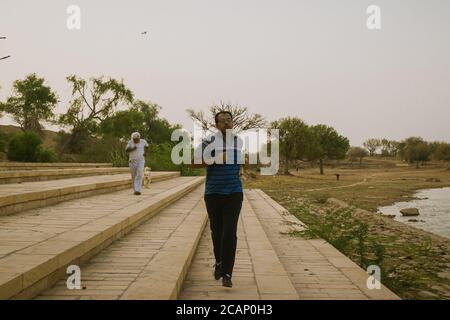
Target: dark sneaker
137	193
217	271
226	281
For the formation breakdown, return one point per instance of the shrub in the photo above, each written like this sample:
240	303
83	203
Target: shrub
320	198
186	170
47	155
159	158
24	146
106	149
4	139
119	158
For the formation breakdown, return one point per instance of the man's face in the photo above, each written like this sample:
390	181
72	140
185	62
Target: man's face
224	122
136	140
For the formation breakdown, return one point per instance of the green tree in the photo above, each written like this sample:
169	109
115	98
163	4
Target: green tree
159	159
142	117
4	140
295	140
415	150
393	148
385	147
327	144
31	103
372	145
26	146
441	151
389	148
92	102
123	123
357	153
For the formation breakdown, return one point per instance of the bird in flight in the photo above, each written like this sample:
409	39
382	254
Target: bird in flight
2	58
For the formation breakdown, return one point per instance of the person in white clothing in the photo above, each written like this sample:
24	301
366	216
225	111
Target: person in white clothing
137	149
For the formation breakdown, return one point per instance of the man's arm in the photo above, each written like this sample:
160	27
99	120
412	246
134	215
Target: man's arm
129	148
204	164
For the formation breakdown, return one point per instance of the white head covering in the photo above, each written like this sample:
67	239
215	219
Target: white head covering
135	135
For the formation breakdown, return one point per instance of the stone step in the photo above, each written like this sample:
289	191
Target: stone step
19	176
315	267
10	165
28	195
38	245
258	273
169	256
148	263
152	261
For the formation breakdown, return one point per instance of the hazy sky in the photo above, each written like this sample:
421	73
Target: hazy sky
313	59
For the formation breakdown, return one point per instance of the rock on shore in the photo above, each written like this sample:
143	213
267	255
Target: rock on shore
409	212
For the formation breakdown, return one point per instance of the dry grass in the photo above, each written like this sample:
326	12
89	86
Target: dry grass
363	188
415	263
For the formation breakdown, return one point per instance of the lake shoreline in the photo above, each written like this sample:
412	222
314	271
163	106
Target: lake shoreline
433	205
416	262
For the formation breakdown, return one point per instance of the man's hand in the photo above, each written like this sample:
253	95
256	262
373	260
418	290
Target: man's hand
145	151
129	149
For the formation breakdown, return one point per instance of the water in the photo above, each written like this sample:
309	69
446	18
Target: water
434	211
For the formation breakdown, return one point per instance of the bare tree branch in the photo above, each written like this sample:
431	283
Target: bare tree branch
241	118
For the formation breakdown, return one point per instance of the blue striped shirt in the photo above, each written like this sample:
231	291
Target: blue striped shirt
223	178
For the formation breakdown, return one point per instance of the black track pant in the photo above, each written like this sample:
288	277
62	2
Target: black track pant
223	213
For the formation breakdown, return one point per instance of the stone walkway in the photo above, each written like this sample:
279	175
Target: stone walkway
269	263
15	198
158	246
200	283
20	176
27	187
111	273
28	228
316	268
258	273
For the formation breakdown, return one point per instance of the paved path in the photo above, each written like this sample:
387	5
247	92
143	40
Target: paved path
200	283
153	261
113	271
30	227
316	268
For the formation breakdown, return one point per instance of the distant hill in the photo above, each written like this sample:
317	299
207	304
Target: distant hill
49	138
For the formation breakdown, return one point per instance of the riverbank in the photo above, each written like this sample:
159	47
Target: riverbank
415	264
433	206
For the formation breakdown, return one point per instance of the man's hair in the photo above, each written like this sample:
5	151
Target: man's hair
135	135
216	117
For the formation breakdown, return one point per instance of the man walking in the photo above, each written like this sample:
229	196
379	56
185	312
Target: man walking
223	194
137	150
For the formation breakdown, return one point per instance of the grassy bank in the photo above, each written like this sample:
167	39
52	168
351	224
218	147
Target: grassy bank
415	264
